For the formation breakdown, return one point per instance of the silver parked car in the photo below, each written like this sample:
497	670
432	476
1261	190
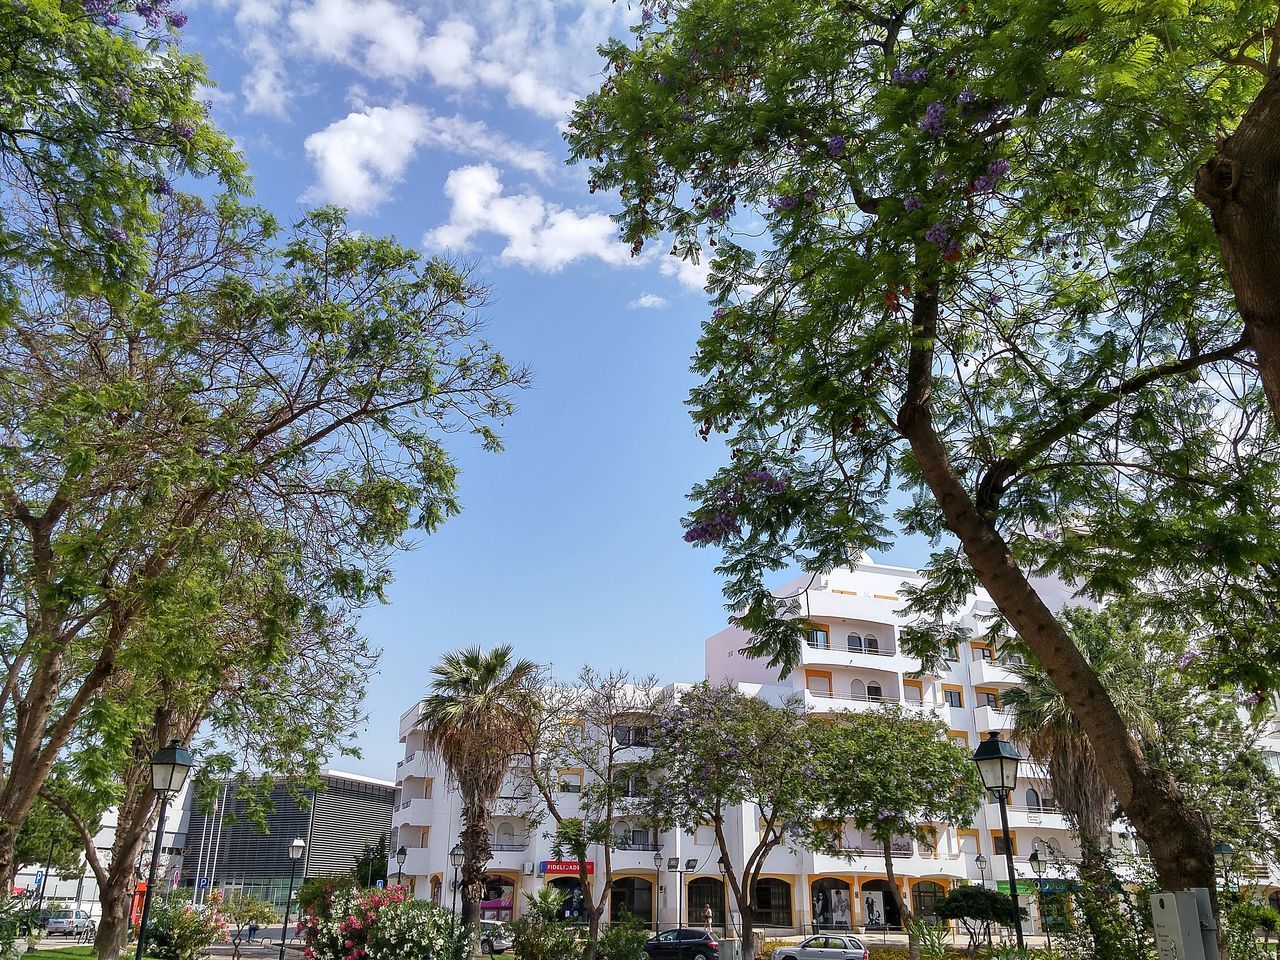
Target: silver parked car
68	923
826	946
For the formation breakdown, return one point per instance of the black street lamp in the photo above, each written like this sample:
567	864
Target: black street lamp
997	761
657	884
724	894
1037	867
981	863
1224	854
401	856
456	856
169	769
296	849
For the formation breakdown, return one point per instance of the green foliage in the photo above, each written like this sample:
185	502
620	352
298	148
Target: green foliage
44	825
16	919
96	120
1245	921
371	865
539	933
178	930
978	908
933	939
889	772
346	923
243	910
770	946
316	894
623	939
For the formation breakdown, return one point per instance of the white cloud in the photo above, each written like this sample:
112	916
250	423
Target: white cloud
691	275
648	301
359	158
538	234
381	39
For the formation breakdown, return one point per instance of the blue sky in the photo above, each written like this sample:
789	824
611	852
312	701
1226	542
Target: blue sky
439	122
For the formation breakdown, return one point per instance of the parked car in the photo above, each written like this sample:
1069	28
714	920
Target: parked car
494	937
826	946
68	922
683	943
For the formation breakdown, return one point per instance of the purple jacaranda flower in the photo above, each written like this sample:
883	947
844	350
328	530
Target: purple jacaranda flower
784	202
919	75
162	187
111	19
912	204
184	130
717	213
935	118
1186	659
719	312
810	195
122	94
117	235
835	146
1252	700
177	19
938	233
966	96
998	167
150	13
983	184
896	75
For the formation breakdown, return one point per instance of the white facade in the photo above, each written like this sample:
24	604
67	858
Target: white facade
852	661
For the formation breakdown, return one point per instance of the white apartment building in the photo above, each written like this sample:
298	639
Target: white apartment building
850	661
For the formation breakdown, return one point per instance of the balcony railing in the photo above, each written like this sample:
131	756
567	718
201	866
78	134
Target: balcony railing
507	846
407	759
1042	808
646	845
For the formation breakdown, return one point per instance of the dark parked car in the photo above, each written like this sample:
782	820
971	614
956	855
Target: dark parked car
683	943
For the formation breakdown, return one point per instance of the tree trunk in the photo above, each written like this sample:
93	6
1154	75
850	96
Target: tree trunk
1240	185
748	925
904	910
113	927
1176	834
476	855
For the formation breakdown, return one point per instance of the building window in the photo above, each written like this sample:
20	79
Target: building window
953	696
913	692
983	652
874	692
631	735
705	835
854	642
705	892
819	639
772	906
819	684
872	643
988	699
858	690
1033	799
570	781
998	844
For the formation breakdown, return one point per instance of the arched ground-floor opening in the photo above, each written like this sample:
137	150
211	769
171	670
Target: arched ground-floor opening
704	892
771	906
925	897
437	885
1273	899
832	903
631	896
499	898
572	908
878	906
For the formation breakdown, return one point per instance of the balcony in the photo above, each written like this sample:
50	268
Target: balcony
993	718
417	862
409	720
415	812
416	764
1022	817
991	672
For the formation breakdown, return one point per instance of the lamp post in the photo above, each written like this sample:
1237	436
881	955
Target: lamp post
981	863
401	856
1224	854
724	895
456	856
657	884
296	849
997	761
169	768
1037	867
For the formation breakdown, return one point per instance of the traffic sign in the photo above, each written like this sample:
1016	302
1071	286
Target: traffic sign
380	884
39	877
203	883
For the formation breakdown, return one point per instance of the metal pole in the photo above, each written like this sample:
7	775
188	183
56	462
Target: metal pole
453	910
399	870
1013	876
680	915
1044	919
48	872
151	877
288	902
657	887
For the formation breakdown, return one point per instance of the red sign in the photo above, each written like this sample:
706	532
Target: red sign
565	868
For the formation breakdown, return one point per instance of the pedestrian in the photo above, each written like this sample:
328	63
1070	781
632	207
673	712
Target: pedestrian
253	931
706	917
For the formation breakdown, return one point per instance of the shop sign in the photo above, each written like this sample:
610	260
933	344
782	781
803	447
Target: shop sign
564	868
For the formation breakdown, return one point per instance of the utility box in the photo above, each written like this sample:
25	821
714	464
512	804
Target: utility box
1184	924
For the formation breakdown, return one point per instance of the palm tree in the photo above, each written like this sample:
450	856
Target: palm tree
1045	727
471	717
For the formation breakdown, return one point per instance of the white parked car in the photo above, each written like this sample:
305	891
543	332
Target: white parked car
826	946
68	923
494	937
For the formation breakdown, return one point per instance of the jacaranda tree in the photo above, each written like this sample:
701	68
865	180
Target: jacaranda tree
957	251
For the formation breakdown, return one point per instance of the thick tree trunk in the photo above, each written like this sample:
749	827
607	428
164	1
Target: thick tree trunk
476	856
1176	834
1240	185
904	909
113	927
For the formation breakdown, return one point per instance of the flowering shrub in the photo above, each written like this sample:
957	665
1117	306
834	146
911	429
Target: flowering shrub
352	924
180	931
